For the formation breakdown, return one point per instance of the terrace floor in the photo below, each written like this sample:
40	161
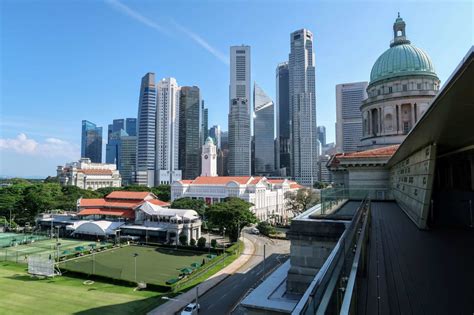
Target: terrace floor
411	271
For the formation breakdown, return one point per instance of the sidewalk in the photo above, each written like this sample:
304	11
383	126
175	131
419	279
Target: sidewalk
180	301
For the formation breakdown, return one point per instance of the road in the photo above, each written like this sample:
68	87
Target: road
223	298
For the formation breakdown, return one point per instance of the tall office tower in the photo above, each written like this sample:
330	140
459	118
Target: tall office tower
304	132
322	135
239	138
215	134
127	158
264	132
189	127
167	132
239	162
283	120
91	142
223	155
239	73
349	97
146	135
116	130
131	126
204	122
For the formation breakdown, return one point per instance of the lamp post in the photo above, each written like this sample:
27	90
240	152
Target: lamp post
135	255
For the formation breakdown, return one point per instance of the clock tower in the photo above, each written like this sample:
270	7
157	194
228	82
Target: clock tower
209	158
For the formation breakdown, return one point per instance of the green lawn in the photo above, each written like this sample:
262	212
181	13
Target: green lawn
154	265
21	294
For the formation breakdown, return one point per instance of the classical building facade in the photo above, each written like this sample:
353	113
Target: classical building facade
267	196
403	81
88	175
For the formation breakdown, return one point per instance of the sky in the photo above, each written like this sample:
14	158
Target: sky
65	61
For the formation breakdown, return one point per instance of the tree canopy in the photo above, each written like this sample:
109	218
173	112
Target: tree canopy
231	214
300	201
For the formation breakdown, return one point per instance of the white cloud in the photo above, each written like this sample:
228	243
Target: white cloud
144	20
51	147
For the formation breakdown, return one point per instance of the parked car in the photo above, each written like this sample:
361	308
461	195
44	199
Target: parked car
191	309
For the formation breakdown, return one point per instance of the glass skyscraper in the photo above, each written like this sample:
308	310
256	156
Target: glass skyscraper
189	136
304	135
283	121
91	141
204	122
215	134
146	133
116	131
264	132
127	156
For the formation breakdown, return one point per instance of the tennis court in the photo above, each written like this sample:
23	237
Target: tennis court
153	265
20	253
13	239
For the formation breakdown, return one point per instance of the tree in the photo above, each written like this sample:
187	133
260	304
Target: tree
213	243
231	214
104	191
163	192
51	179
183	239
201	242
300	201
320	185
37	199
187	203
192	242
136	188
265	228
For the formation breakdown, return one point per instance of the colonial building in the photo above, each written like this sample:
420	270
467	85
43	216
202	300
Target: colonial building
402	84
267	196
88	175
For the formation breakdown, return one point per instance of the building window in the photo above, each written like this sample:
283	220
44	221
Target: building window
405	87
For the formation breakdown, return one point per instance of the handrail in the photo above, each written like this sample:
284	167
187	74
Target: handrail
347	300
317	288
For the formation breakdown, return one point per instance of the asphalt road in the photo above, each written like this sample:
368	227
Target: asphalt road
223	298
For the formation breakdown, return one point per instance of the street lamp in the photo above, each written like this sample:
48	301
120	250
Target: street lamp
135	255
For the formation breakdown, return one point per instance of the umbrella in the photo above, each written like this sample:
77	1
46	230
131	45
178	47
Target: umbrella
195	265
186	270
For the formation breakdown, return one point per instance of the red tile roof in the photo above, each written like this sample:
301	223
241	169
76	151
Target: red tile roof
186	181
256	180
294	185
126	213
159	203
276	181
95	172
134	195
373	153
220	180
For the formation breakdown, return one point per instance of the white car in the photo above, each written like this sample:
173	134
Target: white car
191	309
254	231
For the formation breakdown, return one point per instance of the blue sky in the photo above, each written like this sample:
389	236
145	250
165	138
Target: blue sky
64	61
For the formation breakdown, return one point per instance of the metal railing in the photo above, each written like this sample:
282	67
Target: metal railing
322	295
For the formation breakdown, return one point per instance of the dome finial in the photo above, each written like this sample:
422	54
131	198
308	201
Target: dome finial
398	14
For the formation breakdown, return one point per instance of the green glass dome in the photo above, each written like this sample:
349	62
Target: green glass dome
401	58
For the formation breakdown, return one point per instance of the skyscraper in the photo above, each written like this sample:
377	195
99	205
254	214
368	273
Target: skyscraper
283	121
91	142
127	156
116	131
204	122
322	135
239	72
167	132
146	135
303	108
239	138
215	134
189	125
239	111
264	132
349	97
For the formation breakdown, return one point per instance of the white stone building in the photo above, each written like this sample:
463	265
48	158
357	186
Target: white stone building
88	175
267	195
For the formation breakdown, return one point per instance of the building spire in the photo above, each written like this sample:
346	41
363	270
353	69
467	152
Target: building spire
399	36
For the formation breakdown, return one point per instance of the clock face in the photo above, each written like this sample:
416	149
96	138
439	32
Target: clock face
205	156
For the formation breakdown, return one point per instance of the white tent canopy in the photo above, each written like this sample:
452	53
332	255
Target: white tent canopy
155	210
99	228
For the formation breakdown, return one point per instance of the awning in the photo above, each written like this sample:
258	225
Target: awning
125	213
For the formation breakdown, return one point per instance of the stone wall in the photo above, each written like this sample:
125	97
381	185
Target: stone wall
412	182
375	180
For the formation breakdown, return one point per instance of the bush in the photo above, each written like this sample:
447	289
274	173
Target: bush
193	242
183	239
213	243
201	243
265	228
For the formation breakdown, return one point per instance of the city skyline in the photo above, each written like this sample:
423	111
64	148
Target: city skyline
55	143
